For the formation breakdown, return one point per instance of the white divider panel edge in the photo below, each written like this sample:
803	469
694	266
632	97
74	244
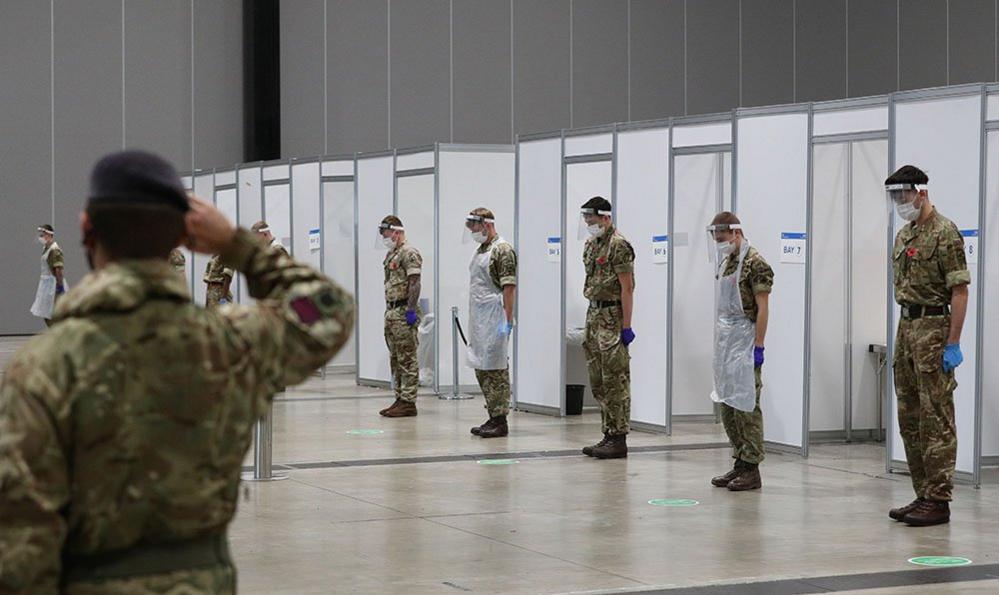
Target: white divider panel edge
415	207
250	192
204	188
305	212
337	244
990	375
375	181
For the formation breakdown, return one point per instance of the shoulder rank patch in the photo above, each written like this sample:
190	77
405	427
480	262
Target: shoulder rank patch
307	310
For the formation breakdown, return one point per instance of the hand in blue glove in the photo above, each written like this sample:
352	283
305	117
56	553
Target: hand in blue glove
627	336
952	357
60	289
223	301
411	317
758	357
505	328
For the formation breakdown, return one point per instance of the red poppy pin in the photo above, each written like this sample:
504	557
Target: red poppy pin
911	252
602	260
394	265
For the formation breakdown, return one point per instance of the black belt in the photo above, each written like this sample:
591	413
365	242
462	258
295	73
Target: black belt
396	304
914	312
604	304
149	559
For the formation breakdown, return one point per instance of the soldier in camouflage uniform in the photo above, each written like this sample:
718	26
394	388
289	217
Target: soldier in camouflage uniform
218	279
492	291
52	284
609	261
403	268
755	282
123	429
931	285
264	231
177	261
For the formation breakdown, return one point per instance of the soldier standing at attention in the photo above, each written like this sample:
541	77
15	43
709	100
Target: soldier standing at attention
123	429
177	261
492	289
609	261
403	267
218	279
931	286
743	282
264	231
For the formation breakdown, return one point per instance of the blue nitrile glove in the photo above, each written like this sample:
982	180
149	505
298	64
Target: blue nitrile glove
627	336
952	357
758	357
223	301
60	289
411	317
505	328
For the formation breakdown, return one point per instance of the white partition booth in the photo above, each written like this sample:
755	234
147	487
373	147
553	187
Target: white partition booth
226	200
250	200
942	132
771	190
431	189
988	418
537	381
641	204
700	163
849	220
204	188
335	230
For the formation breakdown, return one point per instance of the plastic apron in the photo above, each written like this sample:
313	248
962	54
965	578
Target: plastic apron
735	334
486	346
45	296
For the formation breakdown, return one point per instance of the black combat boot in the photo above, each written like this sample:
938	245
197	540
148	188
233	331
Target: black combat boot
616	447
588	450
899	513
929	512
497	429
477	430
723	480
748	479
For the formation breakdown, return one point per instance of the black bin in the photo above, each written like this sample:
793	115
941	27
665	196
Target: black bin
574	399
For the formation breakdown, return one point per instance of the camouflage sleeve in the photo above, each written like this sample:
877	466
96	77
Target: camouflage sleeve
55	259
503	265
413	262
761	275
34	486
953	262
301	318
622	256
228	272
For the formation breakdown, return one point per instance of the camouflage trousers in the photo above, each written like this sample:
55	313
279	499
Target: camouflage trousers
609	366
495	385
214	295
401	340
215	580
926	405
745	428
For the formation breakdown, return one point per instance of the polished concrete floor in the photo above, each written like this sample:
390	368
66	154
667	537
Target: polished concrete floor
407	506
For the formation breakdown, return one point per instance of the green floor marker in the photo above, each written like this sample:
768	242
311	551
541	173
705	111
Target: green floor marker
365	432
498	462
940	561
673	502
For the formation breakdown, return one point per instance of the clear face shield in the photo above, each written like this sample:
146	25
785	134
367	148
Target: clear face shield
44	236
476	229
903	198
591	223
721	241
386	236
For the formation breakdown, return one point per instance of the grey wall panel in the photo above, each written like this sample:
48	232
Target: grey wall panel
541	50
923	44
820	70
357	75
656	58
218	83
25	157
303	28
599	62
872	47
482	78
88	109
420	76
972	41
712	56
158	78
767	52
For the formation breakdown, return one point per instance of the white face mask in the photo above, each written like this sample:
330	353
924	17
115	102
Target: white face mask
479	237
907	210
596	230
41	240
389	242
725	248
